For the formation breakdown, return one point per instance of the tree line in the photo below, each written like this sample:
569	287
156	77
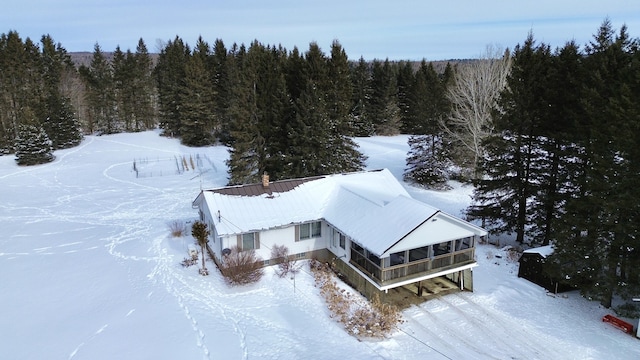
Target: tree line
36	114
286	113
562	165
549	138
290	113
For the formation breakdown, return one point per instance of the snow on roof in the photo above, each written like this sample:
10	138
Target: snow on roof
376	225
371	207
544	251
439	228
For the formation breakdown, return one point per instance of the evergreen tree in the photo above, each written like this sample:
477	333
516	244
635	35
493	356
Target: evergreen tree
221	87
340	89
99	82
344	156
597	240
170	73
383	110
246	156
201	233
62	124
21	86
405	82
32	146
308	151
59	120
288	114
558	143
427	162
122	78
425	102
359	123
273	103
317	143
145	111
197	100
512	179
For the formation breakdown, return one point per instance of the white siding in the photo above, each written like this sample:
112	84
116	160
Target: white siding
283	236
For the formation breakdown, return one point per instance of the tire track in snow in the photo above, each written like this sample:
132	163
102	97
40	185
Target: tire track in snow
443	347
139	146
496	334
105	173
543	349
77	349
57	160
457	335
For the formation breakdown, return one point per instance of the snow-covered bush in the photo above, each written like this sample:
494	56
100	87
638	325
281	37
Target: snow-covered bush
285	264
241	267
189	261
359	317
177	228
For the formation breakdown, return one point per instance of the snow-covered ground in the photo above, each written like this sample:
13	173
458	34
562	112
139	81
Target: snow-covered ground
88	271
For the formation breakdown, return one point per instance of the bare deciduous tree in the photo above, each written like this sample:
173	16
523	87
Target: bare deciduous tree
286	264
473	96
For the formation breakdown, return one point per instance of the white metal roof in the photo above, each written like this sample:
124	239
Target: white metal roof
372	208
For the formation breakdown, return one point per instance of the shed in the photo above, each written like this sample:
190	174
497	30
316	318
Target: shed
532	268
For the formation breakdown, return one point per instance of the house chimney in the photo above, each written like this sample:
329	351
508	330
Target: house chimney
265	180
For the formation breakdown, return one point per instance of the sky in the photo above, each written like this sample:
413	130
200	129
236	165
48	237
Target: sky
372	29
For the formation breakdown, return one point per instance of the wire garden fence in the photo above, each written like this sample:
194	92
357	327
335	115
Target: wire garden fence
177	165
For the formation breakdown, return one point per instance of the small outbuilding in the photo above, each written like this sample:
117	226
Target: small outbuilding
532	267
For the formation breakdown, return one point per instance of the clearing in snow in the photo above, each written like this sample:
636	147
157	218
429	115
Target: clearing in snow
89	271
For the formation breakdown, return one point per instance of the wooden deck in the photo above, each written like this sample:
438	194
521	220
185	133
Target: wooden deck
405	296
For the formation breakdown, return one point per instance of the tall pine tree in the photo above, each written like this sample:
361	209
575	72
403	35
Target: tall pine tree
32	146
512	178
597	242
197	99
100	94
170	74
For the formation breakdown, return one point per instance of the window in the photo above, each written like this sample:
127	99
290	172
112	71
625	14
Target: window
373	258
249	241
463	244
419	253
442	248
310	230
397	258
338	239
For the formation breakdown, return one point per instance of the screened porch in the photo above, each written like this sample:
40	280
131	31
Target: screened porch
413	263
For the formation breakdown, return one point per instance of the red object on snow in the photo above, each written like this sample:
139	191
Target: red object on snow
619	323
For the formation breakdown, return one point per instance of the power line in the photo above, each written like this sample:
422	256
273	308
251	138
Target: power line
424	343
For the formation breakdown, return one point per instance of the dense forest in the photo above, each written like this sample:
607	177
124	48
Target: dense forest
549	137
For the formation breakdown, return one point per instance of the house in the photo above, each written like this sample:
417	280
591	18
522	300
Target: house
365	223
532	268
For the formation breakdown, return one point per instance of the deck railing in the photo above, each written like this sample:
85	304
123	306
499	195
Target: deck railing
412	269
